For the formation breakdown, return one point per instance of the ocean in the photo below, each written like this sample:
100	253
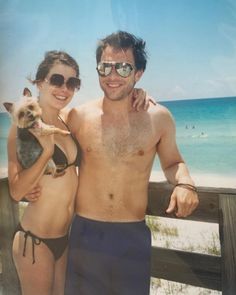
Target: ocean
205	133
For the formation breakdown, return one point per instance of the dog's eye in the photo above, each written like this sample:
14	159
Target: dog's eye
21	115
30	107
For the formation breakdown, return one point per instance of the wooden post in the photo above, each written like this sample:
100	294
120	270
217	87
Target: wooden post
9	218
227	223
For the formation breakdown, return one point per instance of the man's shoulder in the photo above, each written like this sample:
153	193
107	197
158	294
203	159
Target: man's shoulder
85	107
84	111
159	110
161	117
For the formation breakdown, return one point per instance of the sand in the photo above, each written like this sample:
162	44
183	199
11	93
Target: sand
209	180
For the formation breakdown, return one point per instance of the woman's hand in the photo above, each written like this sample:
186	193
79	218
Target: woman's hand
141	99
33	195
46	141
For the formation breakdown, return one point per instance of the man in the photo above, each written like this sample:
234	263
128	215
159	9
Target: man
110	245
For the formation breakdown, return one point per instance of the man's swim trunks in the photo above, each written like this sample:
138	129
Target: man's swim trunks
108	258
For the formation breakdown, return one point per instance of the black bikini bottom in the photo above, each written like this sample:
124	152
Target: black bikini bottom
56	245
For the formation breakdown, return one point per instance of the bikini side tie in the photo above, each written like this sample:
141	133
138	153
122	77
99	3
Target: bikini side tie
35	241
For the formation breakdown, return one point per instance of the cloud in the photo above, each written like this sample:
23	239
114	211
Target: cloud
177	92
225	85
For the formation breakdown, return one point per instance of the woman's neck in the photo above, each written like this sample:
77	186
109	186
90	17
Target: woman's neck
49	115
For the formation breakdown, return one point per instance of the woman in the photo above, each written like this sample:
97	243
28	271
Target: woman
40	241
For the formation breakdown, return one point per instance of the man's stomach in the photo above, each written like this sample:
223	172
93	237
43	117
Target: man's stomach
112	197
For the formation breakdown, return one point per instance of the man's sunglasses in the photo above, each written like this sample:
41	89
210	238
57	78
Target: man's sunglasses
58	80
123	69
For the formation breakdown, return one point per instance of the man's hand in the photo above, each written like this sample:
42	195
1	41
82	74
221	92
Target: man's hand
183	202
34	195
141	99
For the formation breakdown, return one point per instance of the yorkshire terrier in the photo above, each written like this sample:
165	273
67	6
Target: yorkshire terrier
26	114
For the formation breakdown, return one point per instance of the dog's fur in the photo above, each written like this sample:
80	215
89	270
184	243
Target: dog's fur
26	114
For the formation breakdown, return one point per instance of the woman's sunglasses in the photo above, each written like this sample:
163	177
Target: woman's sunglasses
123	69
58	80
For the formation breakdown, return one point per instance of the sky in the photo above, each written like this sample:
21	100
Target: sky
191	44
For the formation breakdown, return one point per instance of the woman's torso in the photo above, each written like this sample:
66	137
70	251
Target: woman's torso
51	214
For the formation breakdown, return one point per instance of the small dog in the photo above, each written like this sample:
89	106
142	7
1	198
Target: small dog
26	114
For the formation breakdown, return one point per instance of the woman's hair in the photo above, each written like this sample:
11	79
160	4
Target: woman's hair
122	41
50	59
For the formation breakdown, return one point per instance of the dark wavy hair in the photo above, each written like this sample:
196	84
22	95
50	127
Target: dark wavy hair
122	41
50	59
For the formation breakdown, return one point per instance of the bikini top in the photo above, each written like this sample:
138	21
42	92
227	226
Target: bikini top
28	142
59	156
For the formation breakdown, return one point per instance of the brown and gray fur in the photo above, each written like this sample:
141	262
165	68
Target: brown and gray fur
26	114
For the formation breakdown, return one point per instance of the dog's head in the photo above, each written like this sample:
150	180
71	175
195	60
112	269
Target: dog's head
26	112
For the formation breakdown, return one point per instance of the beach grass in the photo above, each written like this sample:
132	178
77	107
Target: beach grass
183	235
163	287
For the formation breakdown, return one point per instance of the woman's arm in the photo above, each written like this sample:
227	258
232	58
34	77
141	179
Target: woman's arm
21	181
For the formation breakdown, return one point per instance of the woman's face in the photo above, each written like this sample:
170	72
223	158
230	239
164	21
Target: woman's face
56	96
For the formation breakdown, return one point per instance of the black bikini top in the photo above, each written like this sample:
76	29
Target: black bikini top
59	156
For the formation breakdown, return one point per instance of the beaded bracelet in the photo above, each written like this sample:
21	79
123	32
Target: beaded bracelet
187	186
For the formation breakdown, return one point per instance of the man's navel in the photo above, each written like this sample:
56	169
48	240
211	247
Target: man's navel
141	152
111	196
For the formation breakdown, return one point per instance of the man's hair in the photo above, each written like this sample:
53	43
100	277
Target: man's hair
122	41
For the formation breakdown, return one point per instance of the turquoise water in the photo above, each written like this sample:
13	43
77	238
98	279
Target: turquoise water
5	122
206	134
205	131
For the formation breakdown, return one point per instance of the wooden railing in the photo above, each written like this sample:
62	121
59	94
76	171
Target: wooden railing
207	271
9	218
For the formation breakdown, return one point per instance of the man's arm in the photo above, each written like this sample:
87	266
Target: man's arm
184	198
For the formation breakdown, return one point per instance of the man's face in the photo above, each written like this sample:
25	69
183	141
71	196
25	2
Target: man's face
114	86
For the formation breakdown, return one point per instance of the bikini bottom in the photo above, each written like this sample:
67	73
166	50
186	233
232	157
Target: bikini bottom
56	245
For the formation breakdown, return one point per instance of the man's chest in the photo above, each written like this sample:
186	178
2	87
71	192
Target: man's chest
117	137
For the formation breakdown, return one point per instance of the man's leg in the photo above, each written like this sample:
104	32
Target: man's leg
131	272
87	268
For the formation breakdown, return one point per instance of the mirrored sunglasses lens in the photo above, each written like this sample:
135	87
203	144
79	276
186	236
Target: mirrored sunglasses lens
104	69
124	69
56	80
107	69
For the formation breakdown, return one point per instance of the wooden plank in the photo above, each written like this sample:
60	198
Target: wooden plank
227	205
9	218
207	211
184	267
188	268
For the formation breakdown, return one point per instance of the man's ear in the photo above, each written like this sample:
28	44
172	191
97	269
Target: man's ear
27	92
8	106
138	75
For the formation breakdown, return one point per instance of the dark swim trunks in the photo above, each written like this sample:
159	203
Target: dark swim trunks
108	258
56	245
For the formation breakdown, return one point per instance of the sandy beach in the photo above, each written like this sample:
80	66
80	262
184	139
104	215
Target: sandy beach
209	180
3	172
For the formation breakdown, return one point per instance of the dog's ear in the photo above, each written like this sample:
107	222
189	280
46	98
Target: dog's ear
8	106
27	92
